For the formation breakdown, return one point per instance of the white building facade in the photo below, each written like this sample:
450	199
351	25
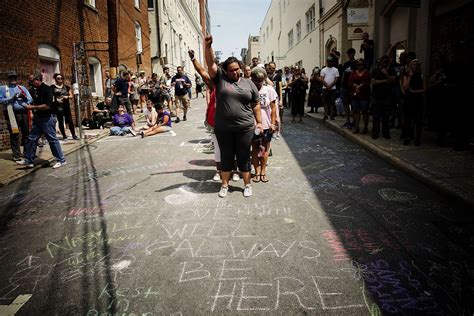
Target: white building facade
174	29
302	32
289	34
253	49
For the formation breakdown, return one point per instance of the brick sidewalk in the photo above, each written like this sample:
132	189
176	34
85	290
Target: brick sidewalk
445	170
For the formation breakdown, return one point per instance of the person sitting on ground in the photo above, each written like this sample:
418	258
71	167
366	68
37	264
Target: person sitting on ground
101	113
163	125
123	123
151	116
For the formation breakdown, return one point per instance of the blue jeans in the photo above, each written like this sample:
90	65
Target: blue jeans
119	131
43	126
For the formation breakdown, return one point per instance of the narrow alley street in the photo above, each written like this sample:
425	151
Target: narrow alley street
134	226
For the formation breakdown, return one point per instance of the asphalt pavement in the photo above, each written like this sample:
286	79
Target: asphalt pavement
134	226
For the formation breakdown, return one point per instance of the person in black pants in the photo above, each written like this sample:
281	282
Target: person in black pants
238	116
61	96
414	86
383	79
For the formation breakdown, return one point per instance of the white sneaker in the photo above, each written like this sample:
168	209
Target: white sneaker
131	131
23	162
223	191
59	165
235	177
248	190
217	177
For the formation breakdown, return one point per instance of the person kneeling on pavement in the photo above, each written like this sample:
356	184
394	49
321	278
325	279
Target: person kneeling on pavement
163	125
101	113
123	123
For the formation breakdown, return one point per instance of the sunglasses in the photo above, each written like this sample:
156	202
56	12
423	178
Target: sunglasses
59	78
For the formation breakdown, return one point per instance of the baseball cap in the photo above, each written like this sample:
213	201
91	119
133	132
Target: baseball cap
11	74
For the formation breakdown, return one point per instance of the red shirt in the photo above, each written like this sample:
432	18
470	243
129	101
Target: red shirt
211	109
364	90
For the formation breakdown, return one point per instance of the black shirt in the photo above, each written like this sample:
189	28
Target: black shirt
122	86
44	95
347	69
383	90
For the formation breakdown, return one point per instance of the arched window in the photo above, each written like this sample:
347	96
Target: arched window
138	35
95	76
49	62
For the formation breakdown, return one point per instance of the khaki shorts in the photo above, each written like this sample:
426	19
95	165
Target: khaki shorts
183	99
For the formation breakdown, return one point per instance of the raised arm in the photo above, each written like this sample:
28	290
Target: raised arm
209	54
201	71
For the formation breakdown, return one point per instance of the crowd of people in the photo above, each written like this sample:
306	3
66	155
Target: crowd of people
49	106
246	104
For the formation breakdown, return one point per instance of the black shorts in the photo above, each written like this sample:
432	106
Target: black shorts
266	136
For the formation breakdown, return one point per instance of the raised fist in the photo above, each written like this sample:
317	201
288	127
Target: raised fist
191	53
208	40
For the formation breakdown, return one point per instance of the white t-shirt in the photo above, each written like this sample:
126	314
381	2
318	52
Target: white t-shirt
148	114
170	87
329	74
267	95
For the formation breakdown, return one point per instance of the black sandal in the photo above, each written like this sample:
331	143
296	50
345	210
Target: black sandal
262	177
256	178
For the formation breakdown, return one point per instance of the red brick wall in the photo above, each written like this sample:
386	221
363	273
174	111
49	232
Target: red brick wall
127	45
60	23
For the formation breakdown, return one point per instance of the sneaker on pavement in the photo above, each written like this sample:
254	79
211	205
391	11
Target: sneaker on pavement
223	191
235	177
59	165
184	118
248	190
23	162
75	137
131	131
217	177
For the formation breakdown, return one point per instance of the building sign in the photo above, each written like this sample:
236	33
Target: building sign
355	32
357	15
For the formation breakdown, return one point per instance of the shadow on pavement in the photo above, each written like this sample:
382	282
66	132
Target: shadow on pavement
395	236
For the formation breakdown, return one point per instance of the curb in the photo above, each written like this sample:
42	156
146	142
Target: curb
433	182
45	163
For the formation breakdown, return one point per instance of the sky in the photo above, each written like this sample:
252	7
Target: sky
237	19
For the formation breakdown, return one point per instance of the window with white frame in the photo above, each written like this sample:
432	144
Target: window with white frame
90	3
298	31
290	39
151	4
310	19
138	35
95	76
137	4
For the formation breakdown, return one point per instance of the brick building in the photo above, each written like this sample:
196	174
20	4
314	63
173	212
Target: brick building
38	36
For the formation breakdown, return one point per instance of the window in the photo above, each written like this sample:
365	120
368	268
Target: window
298	31
271	25
95	76
138	35
290	39
90	3
268	31
137	4
310	19
151	4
